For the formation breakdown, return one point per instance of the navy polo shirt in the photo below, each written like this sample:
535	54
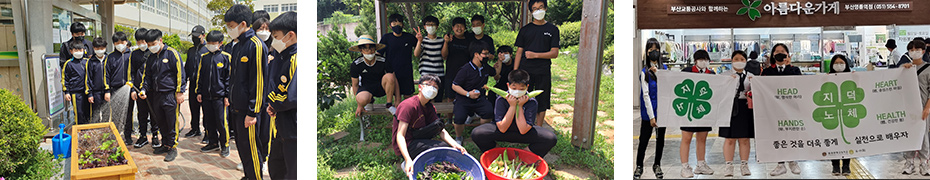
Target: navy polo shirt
471	77
529	110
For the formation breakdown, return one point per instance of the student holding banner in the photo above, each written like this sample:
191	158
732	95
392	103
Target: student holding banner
839	65
702	61
648	111
780	67
741	123
923	81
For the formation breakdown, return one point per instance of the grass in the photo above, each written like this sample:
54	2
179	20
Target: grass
377	161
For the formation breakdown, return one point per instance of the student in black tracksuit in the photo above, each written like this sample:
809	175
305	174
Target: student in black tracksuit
116	64
228	48
246	89
282	98
97	80
211	90
77	34
190	67
74	83
163	85
136	63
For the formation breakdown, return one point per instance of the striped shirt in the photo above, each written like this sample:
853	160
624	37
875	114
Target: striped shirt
431	60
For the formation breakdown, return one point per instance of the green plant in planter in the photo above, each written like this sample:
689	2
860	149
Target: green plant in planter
20	133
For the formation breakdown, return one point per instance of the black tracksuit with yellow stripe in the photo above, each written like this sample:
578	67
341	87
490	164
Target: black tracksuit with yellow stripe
98	84
162	78
211	83
137	59
246	92
118	74
74	84
282	97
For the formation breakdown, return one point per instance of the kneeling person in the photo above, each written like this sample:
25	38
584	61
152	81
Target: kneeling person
508	127
371	76
468	80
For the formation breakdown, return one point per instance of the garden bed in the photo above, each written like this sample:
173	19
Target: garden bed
98	153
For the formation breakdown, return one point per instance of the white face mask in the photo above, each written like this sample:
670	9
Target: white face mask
369	56
278	45
703	64
233	33
477	30
739	65
120	47
263	35
78	55
539	14
916	54
839	67
506	59
212	47
142	46
429	92
516	93
155	48
431	30
100	53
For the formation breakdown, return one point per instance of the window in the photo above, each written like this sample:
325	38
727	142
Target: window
289	7
271	8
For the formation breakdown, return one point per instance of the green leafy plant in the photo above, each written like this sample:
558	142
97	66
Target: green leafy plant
569	34
692	99
20	133
839	106
750	9
334	60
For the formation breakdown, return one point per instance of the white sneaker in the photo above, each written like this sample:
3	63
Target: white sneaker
744	167
779	170
923	169
909	167
239	167
794	167
728	170
702	168
369	107
393	110
686	172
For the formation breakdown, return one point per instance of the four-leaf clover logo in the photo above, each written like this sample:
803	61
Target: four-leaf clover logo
692	99
839	106
750	9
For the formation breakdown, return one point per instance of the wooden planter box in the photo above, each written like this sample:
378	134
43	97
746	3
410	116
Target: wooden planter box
126	171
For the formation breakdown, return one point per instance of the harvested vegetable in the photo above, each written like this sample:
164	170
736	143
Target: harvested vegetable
443	170
503	93
514	168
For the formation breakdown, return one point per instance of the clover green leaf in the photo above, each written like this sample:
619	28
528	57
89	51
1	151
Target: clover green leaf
839	105
750	9
692	99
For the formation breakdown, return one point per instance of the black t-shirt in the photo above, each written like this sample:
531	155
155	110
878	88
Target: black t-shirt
370	75
399	52
537	38
487	40
505	72
458	55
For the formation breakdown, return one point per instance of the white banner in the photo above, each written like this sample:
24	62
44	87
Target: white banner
837	116
694	99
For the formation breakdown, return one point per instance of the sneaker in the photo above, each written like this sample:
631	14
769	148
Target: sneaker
142	141
155	142
923	169
658	170
686	172
192	133
459	140
909	167
794	167
224	152
369	107
209	147
846	171
172	153
779	170
127	141
728	170
239	167
638	172
744	167
160	150
204	141
390	107
702	168
836	171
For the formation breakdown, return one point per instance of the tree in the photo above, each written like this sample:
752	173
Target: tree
338	18
130	33
326	8
219	7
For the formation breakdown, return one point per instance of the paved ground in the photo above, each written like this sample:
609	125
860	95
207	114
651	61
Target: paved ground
190	163
884	166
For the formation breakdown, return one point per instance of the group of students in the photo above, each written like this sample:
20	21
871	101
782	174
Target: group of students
741	127
455	68
246	83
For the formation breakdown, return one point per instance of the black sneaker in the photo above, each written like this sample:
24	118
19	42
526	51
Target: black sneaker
192	133
204	141
141	142
224	152
127	141
155	142
209	147
160	150
172	153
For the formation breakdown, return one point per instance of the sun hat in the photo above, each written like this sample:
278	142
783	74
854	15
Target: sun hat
365	40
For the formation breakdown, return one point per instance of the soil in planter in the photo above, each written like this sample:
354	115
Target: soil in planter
99	148
443	170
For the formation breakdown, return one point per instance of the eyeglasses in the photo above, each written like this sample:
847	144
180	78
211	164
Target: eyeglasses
486	54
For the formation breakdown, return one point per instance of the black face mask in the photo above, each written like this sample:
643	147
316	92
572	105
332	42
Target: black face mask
197	41
654	56
79	38
780	57
397	29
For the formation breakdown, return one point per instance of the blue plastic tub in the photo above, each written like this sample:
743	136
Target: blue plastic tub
464	161
61	143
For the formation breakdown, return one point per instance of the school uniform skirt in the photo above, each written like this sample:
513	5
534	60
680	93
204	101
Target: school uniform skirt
741	124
